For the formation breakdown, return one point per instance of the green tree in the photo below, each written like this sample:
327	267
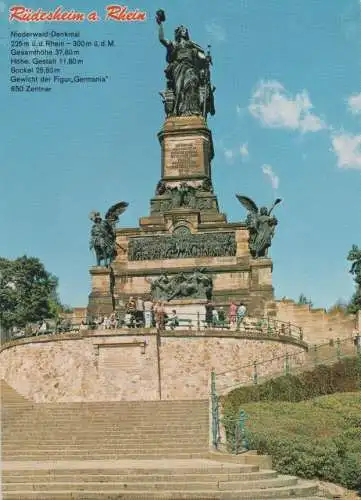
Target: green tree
339	306
354	256
27	292
355	303
303	300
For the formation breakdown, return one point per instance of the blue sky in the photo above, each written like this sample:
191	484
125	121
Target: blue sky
287	123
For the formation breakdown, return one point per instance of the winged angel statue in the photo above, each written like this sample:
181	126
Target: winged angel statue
103	235
261	226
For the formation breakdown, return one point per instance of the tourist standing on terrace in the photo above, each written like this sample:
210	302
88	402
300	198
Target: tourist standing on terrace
148	312
232	313
209	313
139	314
241	312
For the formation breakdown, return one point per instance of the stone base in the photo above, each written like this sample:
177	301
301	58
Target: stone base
187	310
101	300
235	279
187	148
185	203
100	305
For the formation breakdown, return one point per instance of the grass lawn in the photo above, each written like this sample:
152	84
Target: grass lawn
320	437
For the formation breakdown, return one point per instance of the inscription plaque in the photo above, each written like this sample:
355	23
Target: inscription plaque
183	156
118	359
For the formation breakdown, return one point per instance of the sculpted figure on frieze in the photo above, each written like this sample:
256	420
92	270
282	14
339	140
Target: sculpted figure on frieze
182	245
182	285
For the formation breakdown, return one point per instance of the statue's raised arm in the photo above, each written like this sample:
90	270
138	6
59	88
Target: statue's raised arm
160	18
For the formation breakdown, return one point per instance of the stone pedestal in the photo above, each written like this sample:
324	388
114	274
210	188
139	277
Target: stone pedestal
101	297
187	148
192	310
185	230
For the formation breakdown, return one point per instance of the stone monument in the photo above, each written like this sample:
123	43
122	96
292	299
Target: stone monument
185	252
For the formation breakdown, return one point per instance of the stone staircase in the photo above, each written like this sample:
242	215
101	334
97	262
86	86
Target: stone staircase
125	450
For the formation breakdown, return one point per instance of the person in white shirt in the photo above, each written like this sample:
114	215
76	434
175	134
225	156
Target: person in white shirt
241	313
173	321
215	317
148	313
139	314
43	327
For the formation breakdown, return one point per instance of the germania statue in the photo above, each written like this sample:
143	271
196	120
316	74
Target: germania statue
189	90
261	225
103	235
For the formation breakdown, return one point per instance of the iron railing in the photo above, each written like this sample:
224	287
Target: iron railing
216	434
235	431
257	371
227	431
263	328
234	428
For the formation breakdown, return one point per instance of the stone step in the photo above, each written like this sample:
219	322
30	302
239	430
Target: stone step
52	426
59	433
191	468
87	409
96	438
119	415
116	417
196	423
115	447
140	405
299	490
281	481
147	407
118	436
116	451
100	456
90	440
62	409
184	412
56	431
87	476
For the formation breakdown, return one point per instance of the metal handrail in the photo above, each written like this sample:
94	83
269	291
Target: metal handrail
283	356
313	358
235	432
265	326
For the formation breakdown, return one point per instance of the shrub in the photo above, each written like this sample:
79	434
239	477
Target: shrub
343	376
318	438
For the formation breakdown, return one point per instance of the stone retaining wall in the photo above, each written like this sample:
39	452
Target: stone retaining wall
318	325
106	366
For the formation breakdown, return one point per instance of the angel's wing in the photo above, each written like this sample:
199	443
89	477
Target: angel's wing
247	203
115	211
